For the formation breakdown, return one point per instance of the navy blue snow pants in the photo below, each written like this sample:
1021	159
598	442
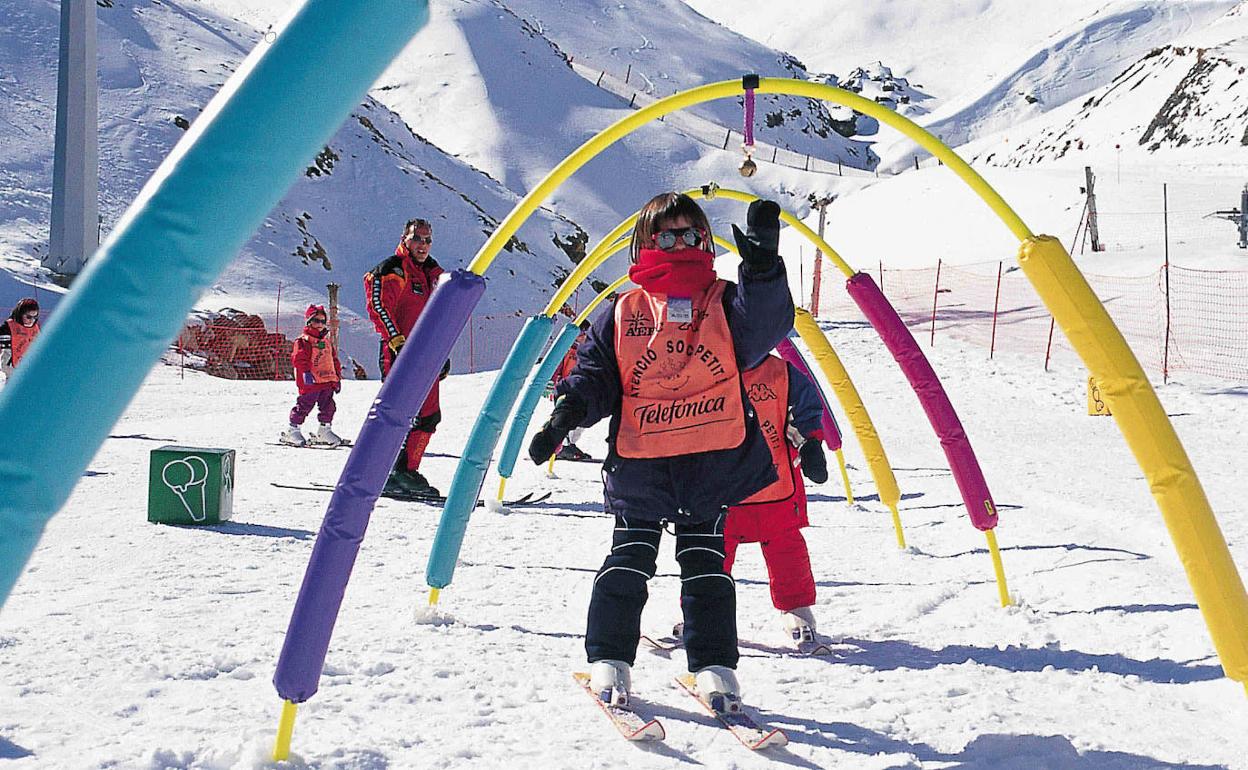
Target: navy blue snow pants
708	596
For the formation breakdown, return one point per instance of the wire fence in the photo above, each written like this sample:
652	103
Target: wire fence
640	90
1175	319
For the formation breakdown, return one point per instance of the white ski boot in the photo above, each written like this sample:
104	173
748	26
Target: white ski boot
800	625
292	436
325	436
611	679
718	686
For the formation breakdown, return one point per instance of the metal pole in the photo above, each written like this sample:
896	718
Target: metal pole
277	325
74	232
332	289
996	302
1091	202
1048	350
1243	218
816	280
628	74
1165	222
935	294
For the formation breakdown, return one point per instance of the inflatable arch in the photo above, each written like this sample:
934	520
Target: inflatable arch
139	306
1211	571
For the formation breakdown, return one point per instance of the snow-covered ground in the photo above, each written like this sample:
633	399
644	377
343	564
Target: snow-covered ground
127	644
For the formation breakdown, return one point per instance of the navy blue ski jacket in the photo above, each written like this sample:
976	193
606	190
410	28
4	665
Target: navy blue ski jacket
805	405
693	488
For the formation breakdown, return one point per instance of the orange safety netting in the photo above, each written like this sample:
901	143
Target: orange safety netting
1191	321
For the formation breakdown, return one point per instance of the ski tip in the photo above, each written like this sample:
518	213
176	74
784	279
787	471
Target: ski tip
650	731
773	739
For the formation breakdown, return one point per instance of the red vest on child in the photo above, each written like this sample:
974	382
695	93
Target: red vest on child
21	336
767	387
679	378
322	358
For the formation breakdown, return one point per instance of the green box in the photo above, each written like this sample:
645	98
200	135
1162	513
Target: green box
190	485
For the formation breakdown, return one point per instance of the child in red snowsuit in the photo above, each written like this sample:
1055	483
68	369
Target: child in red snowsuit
318	375
790	412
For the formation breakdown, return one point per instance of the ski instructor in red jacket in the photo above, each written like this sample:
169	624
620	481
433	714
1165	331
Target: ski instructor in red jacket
396	292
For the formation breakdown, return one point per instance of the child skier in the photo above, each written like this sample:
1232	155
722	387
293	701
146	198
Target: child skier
790	412
569	450
683	443
17	332
318	375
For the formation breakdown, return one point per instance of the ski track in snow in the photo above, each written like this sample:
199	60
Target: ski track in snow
127	644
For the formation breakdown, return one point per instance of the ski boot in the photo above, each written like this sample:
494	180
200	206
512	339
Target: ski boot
718	686
410	483
325	436
292	436
800	625
611	680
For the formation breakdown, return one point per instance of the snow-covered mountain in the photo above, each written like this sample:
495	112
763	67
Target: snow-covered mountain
160	63
992	65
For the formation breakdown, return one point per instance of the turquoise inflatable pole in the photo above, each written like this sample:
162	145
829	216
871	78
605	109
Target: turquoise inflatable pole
532	394
475	459
241	154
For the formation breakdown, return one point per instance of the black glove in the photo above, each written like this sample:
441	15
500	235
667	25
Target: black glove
446	369
814	463
760	244
568	414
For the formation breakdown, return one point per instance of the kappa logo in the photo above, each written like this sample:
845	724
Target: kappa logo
638	325
761	392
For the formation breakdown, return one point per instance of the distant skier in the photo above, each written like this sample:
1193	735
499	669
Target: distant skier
17	332
396	292
318	376
790	413
683	443
569	450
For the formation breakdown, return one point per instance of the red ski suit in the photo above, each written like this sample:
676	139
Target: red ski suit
774	517
396	293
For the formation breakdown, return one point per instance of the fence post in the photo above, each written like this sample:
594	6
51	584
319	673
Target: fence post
774	150
600	76
996	302
1048	350
633	101
916	162
727	136
935	295
807	168
1091	193
277	330
838	169
816	279
628	74
1165	227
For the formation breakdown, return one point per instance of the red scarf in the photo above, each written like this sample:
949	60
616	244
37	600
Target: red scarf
682	273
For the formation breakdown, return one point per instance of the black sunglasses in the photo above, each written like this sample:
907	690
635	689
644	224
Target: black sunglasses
421	239
689	236
30	316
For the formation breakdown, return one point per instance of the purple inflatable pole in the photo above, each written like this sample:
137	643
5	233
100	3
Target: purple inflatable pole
831	431
940	412
346	519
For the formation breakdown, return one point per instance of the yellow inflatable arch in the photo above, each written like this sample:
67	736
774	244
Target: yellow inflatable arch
1193	528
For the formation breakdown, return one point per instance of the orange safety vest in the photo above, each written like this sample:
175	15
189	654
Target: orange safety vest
680	383
767	386
323	369
21	337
